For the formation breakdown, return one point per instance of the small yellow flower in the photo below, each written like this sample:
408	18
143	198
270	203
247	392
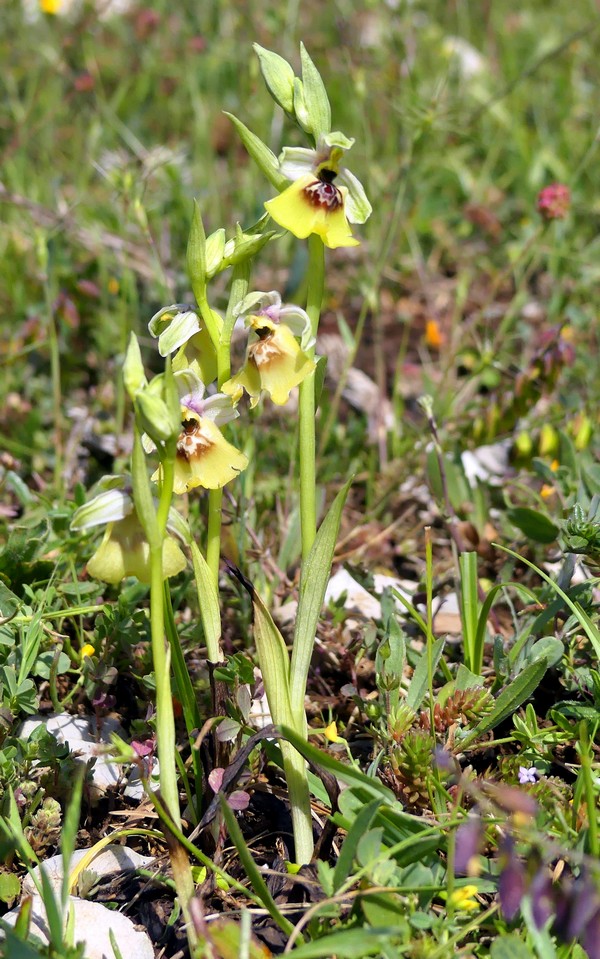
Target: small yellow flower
323	195
312	205
547	491
275	363
113	286
124	551
50	6
462	899
204	457
331	733
87	650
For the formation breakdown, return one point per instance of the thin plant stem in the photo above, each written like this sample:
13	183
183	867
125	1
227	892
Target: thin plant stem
429	621
165	720
56	378
307	407
239	288
583	748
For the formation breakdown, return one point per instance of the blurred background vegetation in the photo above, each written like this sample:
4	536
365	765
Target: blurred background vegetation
111	122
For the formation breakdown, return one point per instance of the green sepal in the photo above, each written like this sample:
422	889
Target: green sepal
300	110
264	158
134	376
278	76
214	249
196	255
245	247
315	96
153	417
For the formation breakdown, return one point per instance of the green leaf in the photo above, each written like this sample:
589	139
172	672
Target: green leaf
210	613
349	944
320	372
18	949
10	886
278	76
9	604
549	648
264	158
369	846
315	97
418	683
350	844
588	627
196	255
251	869
465	679
313	583
513	696
43	664
469	609
509	947
274	662
536	526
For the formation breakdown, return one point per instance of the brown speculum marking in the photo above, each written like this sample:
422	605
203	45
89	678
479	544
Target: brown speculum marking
323	192
192	442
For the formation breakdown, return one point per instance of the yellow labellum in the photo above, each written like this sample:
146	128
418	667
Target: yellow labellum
310	205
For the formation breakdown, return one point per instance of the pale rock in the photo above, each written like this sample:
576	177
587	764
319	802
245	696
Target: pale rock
87	739
109	860
92	924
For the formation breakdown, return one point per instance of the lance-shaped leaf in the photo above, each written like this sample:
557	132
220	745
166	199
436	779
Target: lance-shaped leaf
313	583
272	656
209	603
196	255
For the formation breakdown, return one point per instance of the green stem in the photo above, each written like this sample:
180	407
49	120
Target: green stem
584	750
294	767
165	720
161	658
307	407
239	288
55	373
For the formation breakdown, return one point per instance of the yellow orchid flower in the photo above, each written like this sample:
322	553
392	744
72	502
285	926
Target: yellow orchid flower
124	551
313	206
204	457
275	361
323	195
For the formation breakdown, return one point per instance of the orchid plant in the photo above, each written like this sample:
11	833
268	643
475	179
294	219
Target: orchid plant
181	413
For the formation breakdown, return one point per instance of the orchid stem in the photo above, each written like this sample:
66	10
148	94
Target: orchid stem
239	288
307	410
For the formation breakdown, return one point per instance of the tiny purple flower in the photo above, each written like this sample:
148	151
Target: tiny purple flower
527	775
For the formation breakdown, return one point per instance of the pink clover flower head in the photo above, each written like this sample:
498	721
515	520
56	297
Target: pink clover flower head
527	775
554	201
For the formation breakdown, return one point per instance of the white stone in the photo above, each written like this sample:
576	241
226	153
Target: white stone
357	597
109	860
92	923
135	787
87	739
